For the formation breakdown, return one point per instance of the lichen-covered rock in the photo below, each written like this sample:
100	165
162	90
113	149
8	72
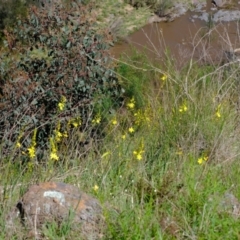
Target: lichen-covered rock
49	201
221	3
227	203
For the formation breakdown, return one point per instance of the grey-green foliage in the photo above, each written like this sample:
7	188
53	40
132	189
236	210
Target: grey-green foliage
58	54
10	11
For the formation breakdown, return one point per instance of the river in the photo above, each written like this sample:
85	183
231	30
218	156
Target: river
187	37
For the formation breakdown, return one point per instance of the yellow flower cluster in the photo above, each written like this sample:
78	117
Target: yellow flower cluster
32	148
114	121
53	154
18	143
139	152
218	111
131	103
62	103
75	122
141	117
183	108
202	160
97	119
58	136
164	77
131	130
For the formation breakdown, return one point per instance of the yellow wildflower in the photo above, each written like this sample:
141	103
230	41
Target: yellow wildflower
65	134
139	153
58	136
131	103
183	108
131	129
61	106
201	160
75	122
114	121
138	117
18	144
95	188
62	103
32	148
97	119
54	156
141	117
32	151
124	136
164	77
218	112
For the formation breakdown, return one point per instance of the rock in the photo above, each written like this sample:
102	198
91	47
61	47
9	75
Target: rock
50	201
226	15
156	19
230	204
219	16
227	203
230	56
221	3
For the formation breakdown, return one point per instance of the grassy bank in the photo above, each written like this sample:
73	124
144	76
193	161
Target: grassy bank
166	165
125	16
168	157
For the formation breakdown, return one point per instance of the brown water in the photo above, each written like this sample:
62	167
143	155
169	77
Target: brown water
184	39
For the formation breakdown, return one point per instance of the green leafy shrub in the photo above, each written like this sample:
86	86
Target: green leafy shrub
55	71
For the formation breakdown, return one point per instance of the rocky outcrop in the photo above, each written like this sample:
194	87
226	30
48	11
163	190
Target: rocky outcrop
49	201
221	11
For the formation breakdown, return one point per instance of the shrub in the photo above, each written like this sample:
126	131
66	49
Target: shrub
54	72
10	10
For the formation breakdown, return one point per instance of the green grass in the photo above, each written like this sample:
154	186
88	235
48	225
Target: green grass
166	194
150	182
129	19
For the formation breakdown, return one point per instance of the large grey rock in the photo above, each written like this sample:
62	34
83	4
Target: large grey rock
49	201
222	3
219	16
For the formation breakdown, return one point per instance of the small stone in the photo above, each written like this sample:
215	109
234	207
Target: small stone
227	203
50	201
221	3
156	19
230	204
